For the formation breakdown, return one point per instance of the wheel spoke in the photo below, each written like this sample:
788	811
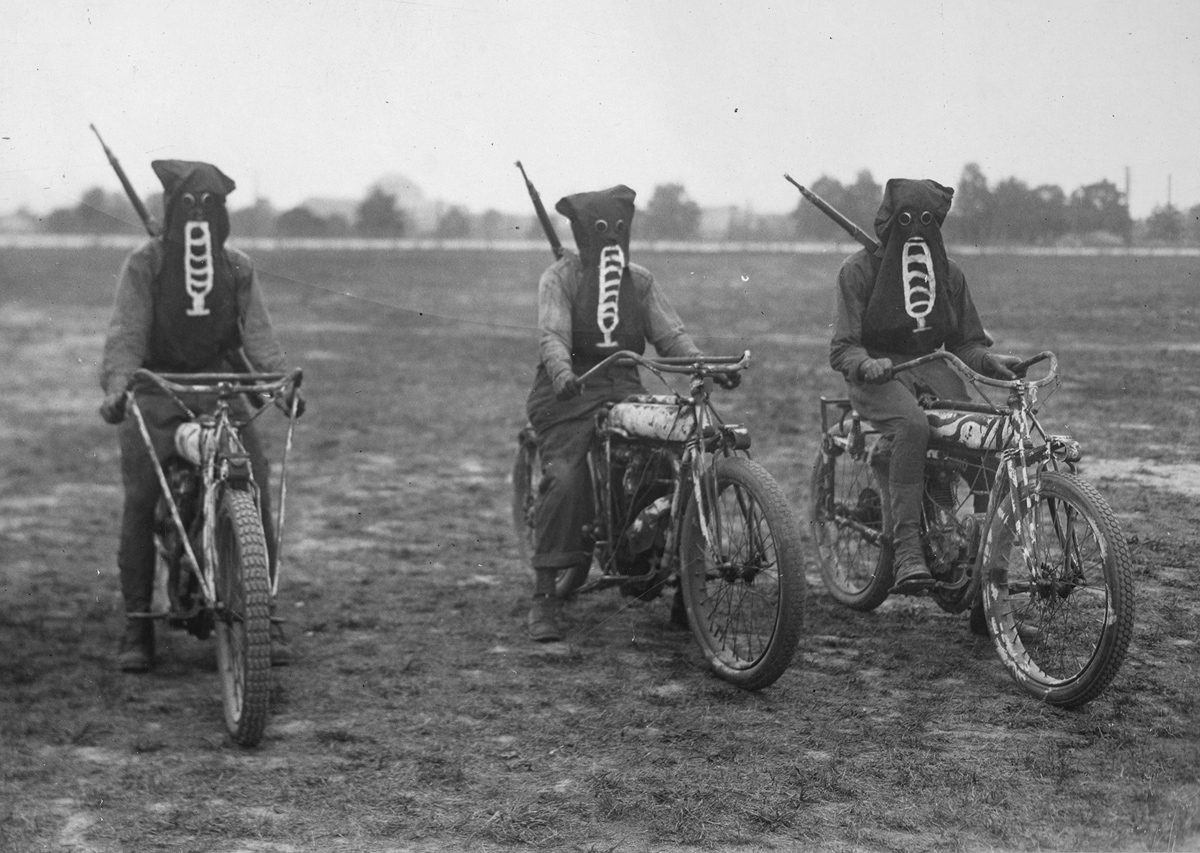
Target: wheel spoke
848	526
742	607
1050	593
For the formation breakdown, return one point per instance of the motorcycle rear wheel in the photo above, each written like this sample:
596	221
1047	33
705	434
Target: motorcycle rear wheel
847	525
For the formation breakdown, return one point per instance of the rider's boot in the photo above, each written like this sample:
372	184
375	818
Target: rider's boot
912	576
281	649
136	653
542	620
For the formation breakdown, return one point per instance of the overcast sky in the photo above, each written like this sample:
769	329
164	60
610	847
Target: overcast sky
296	99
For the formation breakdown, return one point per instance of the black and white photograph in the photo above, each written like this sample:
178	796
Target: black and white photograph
473	426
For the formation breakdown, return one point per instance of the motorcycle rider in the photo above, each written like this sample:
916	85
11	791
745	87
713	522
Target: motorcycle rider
905	301
185	303
590	305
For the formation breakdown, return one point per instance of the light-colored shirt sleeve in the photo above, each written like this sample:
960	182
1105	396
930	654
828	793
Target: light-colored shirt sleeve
128	337
258	335
557	291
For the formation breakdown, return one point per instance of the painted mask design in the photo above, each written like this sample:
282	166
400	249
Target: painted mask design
907	311
601	224
197	255
197	222
917	274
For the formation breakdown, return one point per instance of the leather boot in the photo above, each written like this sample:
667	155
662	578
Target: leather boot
543	619
912	576
136	653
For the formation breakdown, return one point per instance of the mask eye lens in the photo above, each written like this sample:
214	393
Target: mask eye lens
205	198
189	199
905	218
601	226
926	218
620	226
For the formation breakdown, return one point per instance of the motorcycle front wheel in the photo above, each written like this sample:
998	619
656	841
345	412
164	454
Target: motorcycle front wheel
741	574
1058	590
243	617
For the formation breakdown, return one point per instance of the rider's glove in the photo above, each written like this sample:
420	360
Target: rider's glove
285	402
566	386
999	366
113	408
728	381
875	371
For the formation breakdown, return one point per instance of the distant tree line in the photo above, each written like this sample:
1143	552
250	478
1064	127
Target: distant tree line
1009	212
98	211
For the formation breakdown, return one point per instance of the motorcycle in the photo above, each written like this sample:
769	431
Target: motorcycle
1009	531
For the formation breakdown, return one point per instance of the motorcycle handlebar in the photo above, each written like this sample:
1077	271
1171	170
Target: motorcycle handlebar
707	365
209	383
958	364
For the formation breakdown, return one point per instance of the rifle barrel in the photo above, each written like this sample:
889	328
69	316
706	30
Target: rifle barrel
130	192
833	213
543	217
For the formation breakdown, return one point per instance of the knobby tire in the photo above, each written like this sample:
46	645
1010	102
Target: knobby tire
244	620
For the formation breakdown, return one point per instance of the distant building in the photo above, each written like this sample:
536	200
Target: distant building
422	212
327	207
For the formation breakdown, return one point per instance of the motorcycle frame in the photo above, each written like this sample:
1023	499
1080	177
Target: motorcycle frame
692	471
219	434
1030	451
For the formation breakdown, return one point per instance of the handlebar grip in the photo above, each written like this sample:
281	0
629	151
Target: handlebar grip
1022	367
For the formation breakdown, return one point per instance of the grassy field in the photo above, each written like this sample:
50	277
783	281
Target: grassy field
418	717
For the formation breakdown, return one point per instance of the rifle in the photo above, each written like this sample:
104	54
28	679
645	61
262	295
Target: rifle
142	213
543	217
833	213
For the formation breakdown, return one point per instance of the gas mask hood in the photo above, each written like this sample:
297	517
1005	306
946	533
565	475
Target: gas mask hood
598	220
193	192
926	203
908	311
605	317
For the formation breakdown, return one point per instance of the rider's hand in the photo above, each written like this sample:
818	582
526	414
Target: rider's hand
566	386
113	408
875	371
285	402
999	366
728	381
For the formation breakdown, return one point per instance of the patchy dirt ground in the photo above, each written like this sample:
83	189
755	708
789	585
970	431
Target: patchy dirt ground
417	716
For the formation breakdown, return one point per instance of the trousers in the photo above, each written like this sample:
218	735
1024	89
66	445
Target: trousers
564	432
892	407
136	552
